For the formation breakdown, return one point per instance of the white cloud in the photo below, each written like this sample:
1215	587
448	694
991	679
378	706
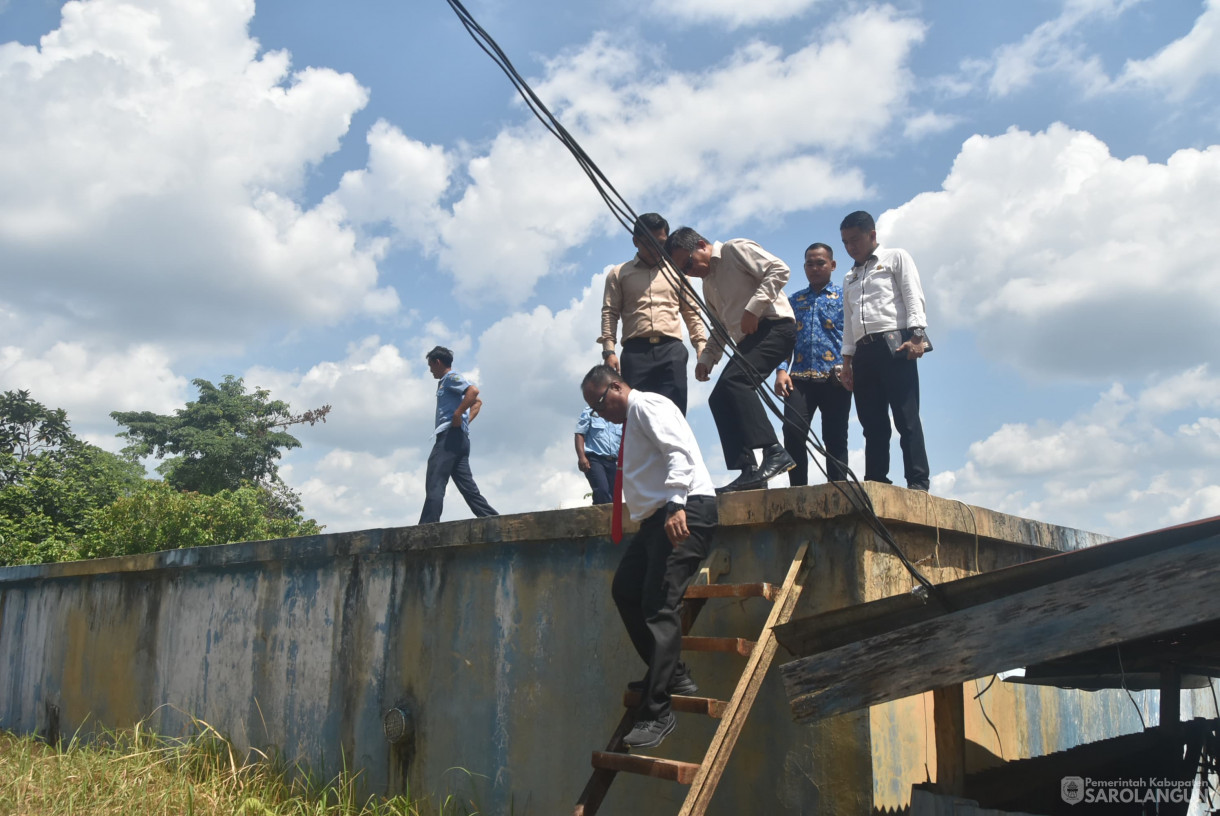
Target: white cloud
658	134
1053	47
732	12
150	159
1065	259
929	123
1179	68
528	368
89	385
1119	467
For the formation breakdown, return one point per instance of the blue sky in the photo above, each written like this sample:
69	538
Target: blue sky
312	195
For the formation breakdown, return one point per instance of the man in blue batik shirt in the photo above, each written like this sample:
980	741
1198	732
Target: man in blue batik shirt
597	443
810	382
457	404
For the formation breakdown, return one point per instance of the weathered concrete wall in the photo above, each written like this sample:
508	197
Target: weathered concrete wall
499	635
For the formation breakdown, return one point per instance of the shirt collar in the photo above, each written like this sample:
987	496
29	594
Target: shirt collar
714	262
872	257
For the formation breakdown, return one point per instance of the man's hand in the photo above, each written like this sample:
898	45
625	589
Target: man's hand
583	464
702	372
675	528
914	348
456	422
612	361
749	322
845	376
783	383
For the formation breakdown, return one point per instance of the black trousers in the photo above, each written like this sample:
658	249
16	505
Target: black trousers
601	477
834	401
450	459
884	384
659	368
648	588
740	417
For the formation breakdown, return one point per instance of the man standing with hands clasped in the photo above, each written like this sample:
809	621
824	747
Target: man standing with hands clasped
811	381
648	298
883	336
666	487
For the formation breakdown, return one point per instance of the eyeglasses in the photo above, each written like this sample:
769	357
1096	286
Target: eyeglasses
600	402
690	261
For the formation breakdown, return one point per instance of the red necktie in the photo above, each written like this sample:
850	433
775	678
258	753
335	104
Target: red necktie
616	517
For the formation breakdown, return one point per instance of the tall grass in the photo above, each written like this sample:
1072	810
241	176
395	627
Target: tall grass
133	771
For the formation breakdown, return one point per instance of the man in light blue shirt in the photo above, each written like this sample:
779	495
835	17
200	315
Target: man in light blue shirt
597	443
457	404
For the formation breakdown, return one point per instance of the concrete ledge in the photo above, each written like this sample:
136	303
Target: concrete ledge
893	505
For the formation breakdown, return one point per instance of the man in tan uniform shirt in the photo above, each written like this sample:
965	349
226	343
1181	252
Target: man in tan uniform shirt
647	299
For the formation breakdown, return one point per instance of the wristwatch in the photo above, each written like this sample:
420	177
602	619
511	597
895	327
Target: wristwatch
607	354
917	332
673	507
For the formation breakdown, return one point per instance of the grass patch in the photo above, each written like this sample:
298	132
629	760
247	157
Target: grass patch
134	771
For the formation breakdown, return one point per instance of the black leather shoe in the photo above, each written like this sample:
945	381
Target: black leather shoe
775	461
748	480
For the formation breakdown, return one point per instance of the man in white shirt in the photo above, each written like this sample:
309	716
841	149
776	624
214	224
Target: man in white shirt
882	294
743	286
667	488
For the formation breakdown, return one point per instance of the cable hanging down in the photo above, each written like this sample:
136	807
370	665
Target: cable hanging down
851	489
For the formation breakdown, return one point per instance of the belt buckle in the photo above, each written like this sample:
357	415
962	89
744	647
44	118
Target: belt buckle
654	339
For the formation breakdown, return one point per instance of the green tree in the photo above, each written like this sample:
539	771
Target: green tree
225	439
157	517
51	482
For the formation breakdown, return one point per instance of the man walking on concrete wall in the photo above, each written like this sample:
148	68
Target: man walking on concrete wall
457	404
666	487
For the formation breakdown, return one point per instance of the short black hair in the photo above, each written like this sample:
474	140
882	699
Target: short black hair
859	220
647	224
684	238
443	354
600	375
830	253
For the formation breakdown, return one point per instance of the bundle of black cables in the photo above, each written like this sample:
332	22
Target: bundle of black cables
622	211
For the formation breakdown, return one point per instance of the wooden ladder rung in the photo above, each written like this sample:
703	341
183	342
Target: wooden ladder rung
741	646
708	706
671	769
759	590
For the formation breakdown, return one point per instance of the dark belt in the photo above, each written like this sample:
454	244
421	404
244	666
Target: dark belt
871	338
641	343
601	457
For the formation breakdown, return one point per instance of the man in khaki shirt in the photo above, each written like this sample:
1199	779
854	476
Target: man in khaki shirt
743	286
647	298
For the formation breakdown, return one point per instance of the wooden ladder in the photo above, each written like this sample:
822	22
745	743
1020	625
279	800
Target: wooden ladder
702	777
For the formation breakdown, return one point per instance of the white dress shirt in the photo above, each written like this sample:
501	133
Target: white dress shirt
880	295
661	459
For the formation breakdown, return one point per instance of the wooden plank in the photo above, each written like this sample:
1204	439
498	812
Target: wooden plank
758	590
741	646
949	723
708	706
1126	601
829	630
671	769
717	756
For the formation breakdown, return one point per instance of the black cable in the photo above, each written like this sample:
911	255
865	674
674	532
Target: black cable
851	488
